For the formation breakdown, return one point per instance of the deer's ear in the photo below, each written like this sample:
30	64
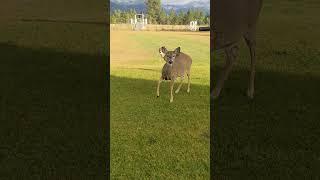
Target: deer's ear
164	49
177	50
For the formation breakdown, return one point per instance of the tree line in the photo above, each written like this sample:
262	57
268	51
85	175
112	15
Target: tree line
157	15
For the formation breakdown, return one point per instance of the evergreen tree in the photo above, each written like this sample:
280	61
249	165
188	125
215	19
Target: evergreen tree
116	16
206	20
189	16
123	17
172	18
180	18
197	16
153	10
162	17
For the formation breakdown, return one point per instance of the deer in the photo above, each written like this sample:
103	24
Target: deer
178	64
232	21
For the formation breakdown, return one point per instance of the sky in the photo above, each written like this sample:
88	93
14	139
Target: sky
169	2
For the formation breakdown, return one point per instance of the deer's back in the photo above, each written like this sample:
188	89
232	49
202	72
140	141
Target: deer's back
181	65
231	19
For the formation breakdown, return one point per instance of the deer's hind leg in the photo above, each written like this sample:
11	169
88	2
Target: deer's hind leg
188	75
251	43
231	56
178	89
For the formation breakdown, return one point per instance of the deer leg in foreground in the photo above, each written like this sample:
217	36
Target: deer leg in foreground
178	89
231	55
188	90
171	89
159	82
251	44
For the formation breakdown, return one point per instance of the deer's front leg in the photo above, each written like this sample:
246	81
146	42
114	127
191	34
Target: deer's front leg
158	87
250	39
178	89
171	89
231	56
250	92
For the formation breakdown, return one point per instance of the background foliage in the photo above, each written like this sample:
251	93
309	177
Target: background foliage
157	15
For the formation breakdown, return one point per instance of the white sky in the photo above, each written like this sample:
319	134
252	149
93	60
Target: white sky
175	2
170	2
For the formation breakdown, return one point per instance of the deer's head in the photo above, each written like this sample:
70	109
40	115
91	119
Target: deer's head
169	56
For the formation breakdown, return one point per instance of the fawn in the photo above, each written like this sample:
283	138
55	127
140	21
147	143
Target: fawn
177	65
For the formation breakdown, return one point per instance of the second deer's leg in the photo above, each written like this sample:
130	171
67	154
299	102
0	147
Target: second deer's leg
188	90
158	87
178	89
171	90
231	55
250	40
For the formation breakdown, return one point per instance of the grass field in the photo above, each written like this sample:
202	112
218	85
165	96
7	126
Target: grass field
275	136
53	90
151	138
53	98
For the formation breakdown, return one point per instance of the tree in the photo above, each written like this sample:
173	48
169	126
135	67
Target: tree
172	18
180	18
199	16
162	17
132	13
206	19
116	16
153	10
189	16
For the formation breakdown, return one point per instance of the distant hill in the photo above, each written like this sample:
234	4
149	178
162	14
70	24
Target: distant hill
185	7
140	6
126	6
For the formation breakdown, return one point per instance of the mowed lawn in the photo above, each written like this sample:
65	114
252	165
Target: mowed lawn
150	137
276	135
53	95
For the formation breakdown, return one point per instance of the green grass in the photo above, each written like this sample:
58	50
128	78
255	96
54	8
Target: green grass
275	136
52	94
150	137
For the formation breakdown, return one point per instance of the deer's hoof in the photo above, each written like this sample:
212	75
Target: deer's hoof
188	91
171	100
177	91
214	97
250	94
215	94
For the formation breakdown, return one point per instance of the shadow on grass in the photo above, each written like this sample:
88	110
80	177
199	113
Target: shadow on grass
53	114
275	135
208	35
143	69
176	134
64	21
